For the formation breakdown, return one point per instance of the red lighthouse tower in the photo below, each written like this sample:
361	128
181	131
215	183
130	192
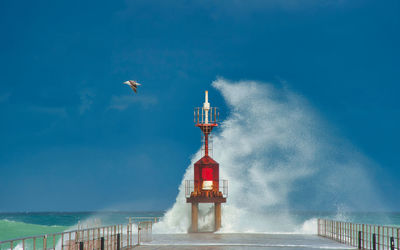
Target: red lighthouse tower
206	186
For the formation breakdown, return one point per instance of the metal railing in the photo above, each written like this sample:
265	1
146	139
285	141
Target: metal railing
145	231
189	187
362	236
104	237
200	115
137	220
223	187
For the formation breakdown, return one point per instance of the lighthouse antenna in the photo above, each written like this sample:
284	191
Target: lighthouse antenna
206	107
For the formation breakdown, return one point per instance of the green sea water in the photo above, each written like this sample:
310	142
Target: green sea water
14	229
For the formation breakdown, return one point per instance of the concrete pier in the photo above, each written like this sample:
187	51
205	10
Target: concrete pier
195	218
217	216
239	241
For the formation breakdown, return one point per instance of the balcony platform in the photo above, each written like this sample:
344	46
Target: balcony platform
204	199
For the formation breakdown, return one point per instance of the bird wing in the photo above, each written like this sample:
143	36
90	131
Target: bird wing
133	87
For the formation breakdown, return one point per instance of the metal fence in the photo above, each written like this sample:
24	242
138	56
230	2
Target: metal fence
362	236
112	237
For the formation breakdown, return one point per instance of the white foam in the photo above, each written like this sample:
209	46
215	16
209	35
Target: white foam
278	155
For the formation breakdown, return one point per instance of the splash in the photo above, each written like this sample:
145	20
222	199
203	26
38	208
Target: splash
278	156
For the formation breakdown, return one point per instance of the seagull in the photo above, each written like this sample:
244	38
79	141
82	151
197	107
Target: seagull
133	85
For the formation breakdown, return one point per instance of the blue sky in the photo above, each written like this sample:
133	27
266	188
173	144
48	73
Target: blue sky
74	138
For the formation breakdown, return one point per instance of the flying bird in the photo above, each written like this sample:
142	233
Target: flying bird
133	85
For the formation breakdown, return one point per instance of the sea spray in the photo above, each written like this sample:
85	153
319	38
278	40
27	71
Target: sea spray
278	156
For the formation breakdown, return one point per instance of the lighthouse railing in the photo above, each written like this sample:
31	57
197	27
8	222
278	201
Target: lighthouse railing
223	187
200	115
189	187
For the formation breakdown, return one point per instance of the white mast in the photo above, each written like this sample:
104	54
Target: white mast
206	107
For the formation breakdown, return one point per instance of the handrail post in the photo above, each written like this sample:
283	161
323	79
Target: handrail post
127	235
93	238
391	243
352	234
387	237
348	232
138	234
98	235
359	239
398	238
128	239
379	237
115	234
374	241
133	236
118	241
363	236
62	241
45	242
122	235
107	235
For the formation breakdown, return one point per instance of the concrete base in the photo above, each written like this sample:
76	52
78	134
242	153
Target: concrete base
195	218
217	216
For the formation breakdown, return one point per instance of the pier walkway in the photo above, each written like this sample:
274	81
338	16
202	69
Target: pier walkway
218	241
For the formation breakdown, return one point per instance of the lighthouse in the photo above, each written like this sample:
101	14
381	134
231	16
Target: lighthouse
206	187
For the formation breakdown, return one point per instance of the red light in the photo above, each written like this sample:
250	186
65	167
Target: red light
207	174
